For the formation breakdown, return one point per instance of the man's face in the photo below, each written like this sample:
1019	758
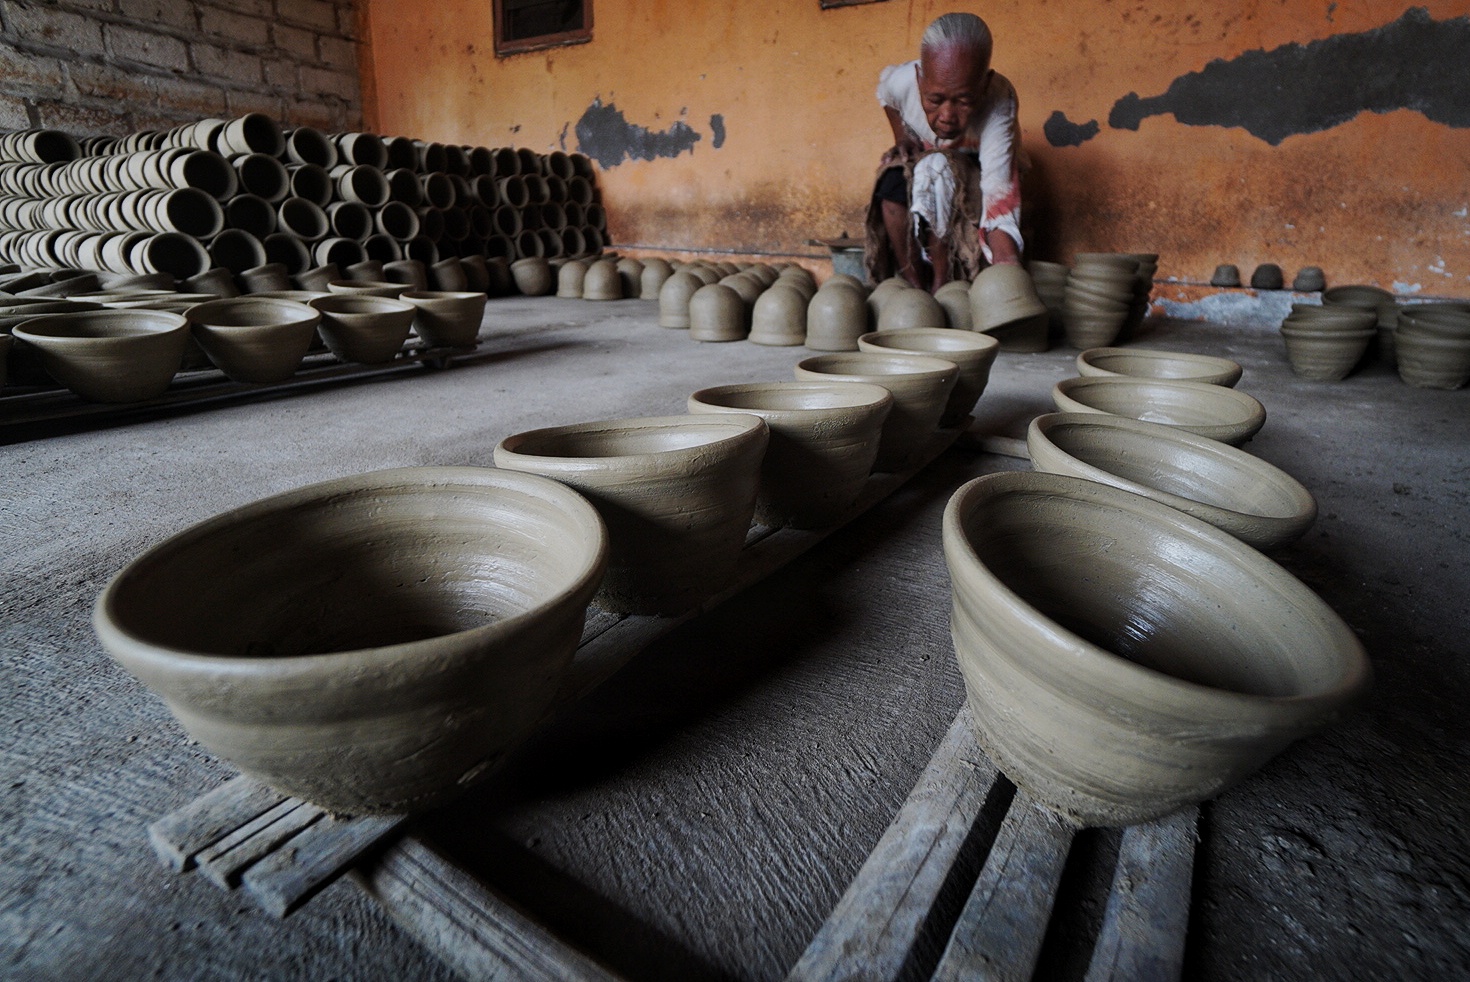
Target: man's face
950	83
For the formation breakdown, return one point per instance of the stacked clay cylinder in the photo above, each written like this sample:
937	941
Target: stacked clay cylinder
242	194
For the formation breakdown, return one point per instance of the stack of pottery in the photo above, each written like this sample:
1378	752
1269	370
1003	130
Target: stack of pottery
1100	293
1373	298
1325	343
838	314
1433	345
1051	285
1003	303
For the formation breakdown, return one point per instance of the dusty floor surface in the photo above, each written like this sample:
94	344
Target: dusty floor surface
705	810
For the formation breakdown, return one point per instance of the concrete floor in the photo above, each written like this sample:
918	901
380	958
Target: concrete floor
702	814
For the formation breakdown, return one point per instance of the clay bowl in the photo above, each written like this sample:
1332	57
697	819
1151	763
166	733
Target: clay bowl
1170	665
972	353
1211	411
254	340
1151	363
368	288
677	494
1426	361
1325	355
447	320
109	355
920	385
1257	503
361	328
369	643
824	438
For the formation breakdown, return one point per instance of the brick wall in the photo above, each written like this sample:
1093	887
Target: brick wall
115	66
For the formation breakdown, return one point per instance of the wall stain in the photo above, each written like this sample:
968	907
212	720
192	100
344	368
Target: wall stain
1062	132
717	128
605	135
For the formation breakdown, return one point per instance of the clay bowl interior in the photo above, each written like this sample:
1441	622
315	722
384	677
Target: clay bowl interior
677	494
823	441
1152	363
1179	664
252	339
359	327
367	642
109	355
1211	411
1254	501
973	353
920	385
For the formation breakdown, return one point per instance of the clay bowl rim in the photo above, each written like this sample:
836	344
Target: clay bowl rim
1228	372
377	288
922	367
974	344
304	313
1245	708
328	302
739	428
845	397
145	321
1233	433
1283	528
579	513
429	296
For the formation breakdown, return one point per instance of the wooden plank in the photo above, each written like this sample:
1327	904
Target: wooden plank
225	860
472	929
179	836
999	934
874	927
1147	917
293	874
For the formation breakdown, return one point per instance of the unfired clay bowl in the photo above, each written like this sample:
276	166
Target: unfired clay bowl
368	644
1124	660
1150	363
677	494
920	386
973	353
109	355
361	328
447	320
252	339
1209	410
1257	503
824	438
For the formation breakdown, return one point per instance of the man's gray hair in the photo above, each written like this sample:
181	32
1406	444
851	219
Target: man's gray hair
964	31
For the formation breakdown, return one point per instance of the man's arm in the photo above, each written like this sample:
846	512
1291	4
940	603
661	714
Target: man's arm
903	138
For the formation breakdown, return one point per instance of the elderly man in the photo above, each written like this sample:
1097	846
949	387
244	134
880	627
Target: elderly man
948	196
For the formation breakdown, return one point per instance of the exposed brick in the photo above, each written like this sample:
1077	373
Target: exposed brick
146	48
84	120
189	97
239	28
107	82
318	113
31	74
239	103
102	5
294	41
322	81
162	13
347	22
13	113
32	24
282	74
236	67
338	53
320	14
255	8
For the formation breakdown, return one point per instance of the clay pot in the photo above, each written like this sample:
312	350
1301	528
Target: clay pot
303	219
263	176
305	145
109	355
1211	411
339	252
906	309
1003	302
252	133
1326	355
448	276
410	272
920	386
286	251
368	270
1232	490
532	276
1097	719
1149	363
1225	275
366	149
716	313
824	438
236	251
954	299
655	272
677	494
447	320
362	328
362	184
216	282
368	288
1429	361
602	282
180	256
972	353
318	279
779	317
254	340
367	644
570	279
885	291
630	273
836	317
674	297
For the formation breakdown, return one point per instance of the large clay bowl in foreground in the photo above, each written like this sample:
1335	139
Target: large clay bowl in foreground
973	353
358	327
109	355
1124	660
677	494
369	643
920	387
1232	490
1209	410
1152	363
254	340
824	438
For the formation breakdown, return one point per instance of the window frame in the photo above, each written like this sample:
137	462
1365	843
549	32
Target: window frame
503	47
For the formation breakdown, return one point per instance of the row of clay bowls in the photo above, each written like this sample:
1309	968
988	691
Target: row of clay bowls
1326	342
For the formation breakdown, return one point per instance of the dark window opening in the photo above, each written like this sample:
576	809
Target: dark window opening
526	25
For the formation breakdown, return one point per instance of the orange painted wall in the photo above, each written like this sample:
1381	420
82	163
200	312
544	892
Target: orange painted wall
1382	198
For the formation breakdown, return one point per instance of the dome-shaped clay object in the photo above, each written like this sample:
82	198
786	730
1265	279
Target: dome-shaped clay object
677	494
1257	503
655	272
532	276
1003	302
824	437
1151	363
972	353
1209	410
1267	276
889	288
630	273
379	636
843	279
779	317
749	288
570	279
602	281
920	388
109	355
705	274
359	327
447	319
716	313
911	308
836	317
954	299
1309	279
673	299
1226	275
254	340
1099	720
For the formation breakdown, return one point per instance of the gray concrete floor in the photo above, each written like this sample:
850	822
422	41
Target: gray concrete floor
704	811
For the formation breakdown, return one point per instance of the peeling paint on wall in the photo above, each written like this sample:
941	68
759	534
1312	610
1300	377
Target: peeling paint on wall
1062	132
717	127
605	135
